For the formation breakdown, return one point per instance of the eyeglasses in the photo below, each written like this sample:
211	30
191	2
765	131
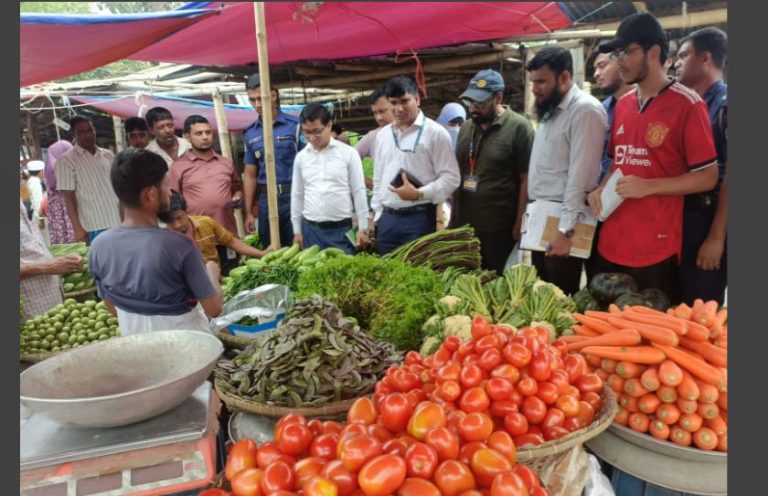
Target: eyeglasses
623	53
471	103
316	133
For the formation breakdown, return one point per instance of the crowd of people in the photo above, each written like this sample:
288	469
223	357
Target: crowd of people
160	222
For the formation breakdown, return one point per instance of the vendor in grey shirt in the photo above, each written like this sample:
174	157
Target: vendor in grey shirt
565	159
151	278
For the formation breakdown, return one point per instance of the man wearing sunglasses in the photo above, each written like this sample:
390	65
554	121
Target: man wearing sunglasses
327	180
565	160
493	149
662	143
405	209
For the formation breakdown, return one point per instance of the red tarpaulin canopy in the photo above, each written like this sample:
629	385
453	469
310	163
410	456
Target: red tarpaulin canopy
341	30
238	117
57	46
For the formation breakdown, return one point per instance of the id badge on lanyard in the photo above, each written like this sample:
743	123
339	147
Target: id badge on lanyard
470	182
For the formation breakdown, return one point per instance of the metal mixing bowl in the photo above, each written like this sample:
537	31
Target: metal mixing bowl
122	380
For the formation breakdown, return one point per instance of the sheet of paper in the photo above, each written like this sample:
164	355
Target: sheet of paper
609	199
540	223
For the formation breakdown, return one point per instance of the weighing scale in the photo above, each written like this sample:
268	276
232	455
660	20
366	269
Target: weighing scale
168	454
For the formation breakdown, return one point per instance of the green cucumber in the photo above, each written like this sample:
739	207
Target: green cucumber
290	253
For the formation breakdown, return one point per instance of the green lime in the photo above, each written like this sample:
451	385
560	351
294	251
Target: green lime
82	339
93	336
55	343
50	337
58	326
103	337
45	344
56	348
72	339
70	301
74	313
35	343
66	346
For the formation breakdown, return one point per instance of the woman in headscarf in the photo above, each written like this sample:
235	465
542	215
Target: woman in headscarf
59	225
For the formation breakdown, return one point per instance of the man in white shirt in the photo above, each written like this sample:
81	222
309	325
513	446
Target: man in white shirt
416	145
166	143
327	179
565	159
82	175
35	186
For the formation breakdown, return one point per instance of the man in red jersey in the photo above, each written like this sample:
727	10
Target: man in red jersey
662	142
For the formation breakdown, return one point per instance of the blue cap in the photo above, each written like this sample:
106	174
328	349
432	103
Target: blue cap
483	85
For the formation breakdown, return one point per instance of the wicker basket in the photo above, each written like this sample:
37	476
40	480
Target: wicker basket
605	415
237	403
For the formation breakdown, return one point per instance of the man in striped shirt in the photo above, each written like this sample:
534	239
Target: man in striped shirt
82	175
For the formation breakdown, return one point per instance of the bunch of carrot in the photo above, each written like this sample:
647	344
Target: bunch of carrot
669	370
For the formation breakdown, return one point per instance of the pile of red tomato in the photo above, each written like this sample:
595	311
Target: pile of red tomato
448	424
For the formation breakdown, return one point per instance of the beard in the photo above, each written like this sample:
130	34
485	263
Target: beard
480	119
613	88
203	149
545	108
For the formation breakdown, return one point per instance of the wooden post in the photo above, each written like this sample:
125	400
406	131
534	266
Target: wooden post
226	148
117	124
528	98
269	143
577	54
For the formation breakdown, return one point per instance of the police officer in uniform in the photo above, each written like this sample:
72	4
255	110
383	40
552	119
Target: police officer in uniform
288	141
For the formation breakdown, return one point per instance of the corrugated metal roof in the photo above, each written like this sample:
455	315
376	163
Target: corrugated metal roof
595	12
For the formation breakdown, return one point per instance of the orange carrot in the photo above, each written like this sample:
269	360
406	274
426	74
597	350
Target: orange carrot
623	337
659	429
584	331
621	417
652	333
705	314
698	368
705	439
682	311
573	338
679	436
616	383
719	327
638	354
711	353
722	401
598	314
687	406
674	324
634	389
688	389
639	421
708	410
690	422
668	413
608	365
645	310
629	403
721	342
650	379
648	404
697	332
629	370
596	325
717	424
614	309
602	374
670	374
722	443
667	394
709	393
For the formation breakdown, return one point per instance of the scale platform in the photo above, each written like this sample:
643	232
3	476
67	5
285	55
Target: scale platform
170	453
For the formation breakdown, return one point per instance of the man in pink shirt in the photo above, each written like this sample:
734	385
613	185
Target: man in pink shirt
208	181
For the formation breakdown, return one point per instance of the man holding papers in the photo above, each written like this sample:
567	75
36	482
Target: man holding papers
565	159
662	143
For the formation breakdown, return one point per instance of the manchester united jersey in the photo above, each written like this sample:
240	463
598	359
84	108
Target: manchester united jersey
669	136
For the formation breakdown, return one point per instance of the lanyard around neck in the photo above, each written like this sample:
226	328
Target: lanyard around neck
472	157
415	145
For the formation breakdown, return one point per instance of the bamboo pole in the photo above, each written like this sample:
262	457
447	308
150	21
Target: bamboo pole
577	54
226	148
266	124
117	124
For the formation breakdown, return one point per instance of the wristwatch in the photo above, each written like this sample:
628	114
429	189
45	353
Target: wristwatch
569	233
421	195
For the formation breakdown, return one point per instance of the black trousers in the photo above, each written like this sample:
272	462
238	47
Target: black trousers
663	275
694	282
589	264
495	248
563	272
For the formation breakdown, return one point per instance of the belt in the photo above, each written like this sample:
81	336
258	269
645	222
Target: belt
282	189
330	224
408	210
